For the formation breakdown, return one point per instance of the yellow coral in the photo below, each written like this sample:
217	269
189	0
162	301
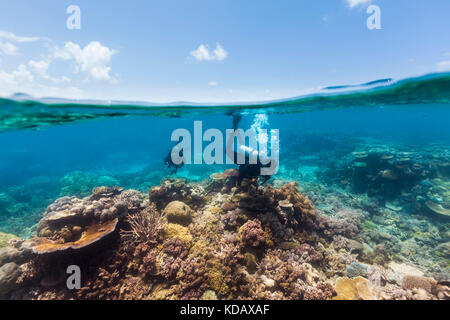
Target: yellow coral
269	241
160	292
354	289
215	210
176	230
199	248
216	280
207	223
209	295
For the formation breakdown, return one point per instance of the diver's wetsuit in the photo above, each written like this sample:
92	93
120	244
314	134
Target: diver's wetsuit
169	163
248	170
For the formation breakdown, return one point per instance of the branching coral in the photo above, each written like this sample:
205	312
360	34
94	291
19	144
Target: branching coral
146	226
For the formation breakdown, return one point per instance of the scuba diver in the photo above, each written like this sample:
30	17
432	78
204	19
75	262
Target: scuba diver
250	168
170	164
247	169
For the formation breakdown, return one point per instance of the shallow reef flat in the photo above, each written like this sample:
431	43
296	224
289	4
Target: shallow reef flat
212	239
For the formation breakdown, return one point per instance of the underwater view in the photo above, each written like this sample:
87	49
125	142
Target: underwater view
213	159
359	207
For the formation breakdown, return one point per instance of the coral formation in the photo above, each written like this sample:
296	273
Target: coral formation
9	273
354	289
72	223
252	234
178	212
213	240
145	226
5	239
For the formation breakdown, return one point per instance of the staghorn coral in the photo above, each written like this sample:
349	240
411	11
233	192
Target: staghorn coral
146	226
170	267
308	254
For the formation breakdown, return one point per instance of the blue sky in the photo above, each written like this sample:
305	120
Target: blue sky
249	50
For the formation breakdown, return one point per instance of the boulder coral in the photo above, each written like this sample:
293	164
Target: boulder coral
9	273
178	212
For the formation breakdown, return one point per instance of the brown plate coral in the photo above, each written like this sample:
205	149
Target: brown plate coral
92	233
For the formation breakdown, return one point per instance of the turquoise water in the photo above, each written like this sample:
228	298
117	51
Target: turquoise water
333	143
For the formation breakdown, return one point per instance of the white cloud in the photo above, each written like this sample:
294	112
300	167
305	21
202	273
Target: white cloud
212	83
12	37
355	3
8	48
10	82
94	59
220	53
41	69
443	66
22	80
34	77
203	53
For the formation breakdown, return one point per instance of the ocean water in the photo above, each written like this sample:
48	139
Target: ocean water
382	148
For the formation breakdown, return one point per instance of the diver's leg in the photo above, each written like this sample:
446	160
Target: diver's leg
264	179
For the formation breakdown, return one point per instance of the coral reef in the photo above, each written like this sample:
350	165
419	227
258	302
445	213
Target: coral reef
212	240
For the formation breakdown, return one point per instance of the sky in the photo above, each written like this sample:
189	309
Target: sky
214	50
